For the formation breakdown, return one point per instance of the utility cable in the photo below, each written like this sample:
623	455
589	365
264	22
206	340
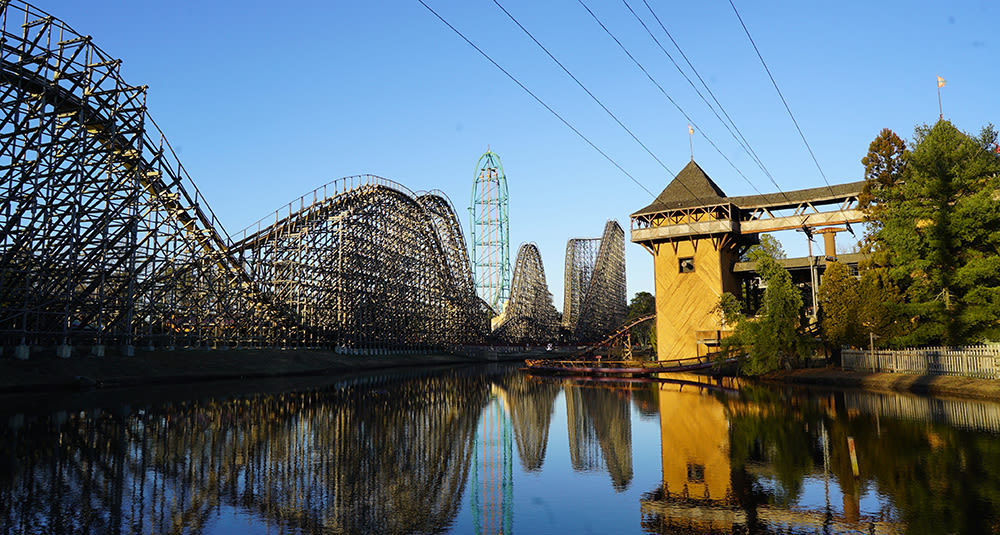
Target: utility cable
782	97
537	99
741	140
575	79
665	94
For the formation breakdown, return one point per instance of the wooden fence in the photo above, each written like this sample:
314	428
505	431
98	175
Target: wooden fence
970	361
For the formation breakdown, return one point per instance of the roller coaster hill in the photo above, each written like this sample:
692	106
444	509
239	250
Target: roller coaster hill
106	241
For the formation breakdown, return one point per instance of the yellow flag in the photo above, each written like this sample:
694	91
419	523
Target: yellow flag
690	130
941	81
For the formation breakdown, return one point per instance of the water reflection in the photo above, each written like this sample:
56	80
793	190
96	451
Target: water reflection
772	461
530	404
385	454
441	451
600	431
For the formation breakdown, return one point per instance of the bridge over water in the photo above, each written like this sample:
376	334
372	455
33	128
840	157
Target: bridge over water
105	238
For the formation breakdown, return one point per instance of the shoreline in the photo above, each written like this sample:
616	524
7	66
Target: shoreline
949	386
48	373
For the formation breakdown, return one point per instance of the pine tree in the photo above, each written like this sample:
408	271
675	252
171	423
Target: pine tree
939	232
774	339
839	301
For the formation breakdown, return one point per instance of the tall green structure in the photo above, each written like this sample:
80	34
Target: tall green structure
490	234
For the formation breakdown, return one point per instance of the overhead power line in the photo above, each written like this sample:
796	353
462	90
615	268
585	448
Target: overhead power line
575	79
741	140
537	99
665	94
782	97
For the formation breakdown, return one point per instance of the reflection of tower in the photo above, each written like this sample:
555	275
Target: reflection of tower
697	493
694	441
490	244
492	476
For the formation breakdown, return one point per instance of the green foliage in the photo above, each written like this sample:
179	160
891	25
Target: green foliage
769	246
643	304
729	309
884	167
938	236
839	301
878	306
773	339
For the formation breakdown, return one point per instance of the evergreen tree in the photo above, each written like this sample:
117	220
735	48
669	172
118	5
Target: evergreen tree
938	234
773	339
839	301
884	166
878	307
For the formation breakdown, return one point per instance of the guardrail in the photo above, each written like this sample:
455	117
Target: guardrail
970	361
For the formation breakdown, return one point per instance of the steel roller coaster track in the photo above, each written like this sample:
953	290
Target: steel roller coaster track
106	240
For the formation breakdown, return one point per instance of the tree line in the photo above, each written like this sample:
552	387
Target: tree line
932	270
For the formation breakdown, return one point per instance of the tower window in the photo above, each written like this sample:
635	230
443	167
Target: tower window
686	265
696	473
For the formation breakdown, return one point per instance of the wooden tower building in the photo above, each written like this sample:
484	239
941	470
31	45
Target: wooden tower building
697	235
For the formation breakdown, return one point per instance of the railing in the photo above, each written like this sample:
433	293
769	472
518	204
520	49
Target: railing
970	361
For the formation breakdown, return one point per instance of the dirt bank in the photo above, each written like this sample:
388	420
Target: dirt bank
936	385
47	372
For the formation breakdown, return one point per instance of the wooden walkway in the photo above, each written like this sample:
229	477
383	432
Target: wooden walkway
622	367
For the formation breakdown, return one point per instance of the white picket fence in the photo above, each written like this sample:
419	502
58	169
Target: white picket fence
970	361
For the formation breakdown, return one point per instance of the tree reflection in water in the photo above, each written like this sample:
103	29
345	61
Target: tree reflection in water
926	465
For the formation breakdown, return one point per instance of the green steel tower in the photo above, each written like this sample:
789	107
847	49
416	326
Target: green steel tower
490	242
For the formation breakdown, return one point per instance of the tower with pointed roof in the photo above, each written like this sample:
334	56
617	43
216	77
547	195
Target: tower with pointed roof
697	234
689	230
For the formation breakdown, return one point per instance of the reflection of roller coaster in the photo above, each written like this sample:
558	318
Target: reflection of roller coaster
105	239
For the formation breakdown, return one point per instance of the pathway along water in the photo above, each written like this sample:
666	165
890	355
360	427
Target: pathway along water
488	449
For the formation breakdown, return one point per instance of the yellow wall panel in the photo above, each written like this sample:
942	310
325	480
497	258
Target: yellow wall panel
685	301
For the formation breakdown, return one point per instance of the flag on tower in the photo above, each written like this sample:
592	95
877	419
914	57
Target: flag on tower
941	81
690	130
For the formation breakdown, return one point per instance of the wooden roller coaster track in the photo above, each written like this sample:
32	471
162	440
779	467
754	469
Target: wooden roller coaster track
623	333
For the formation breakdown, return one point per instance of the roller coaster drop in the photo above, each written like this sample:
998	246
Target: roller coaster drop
106	240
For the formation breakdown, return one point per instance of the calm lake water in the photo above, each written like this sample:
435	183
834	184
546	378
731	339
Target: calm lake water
477	450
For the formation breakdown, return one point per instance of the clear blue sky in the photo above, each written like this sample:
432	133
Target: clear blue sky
266	101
